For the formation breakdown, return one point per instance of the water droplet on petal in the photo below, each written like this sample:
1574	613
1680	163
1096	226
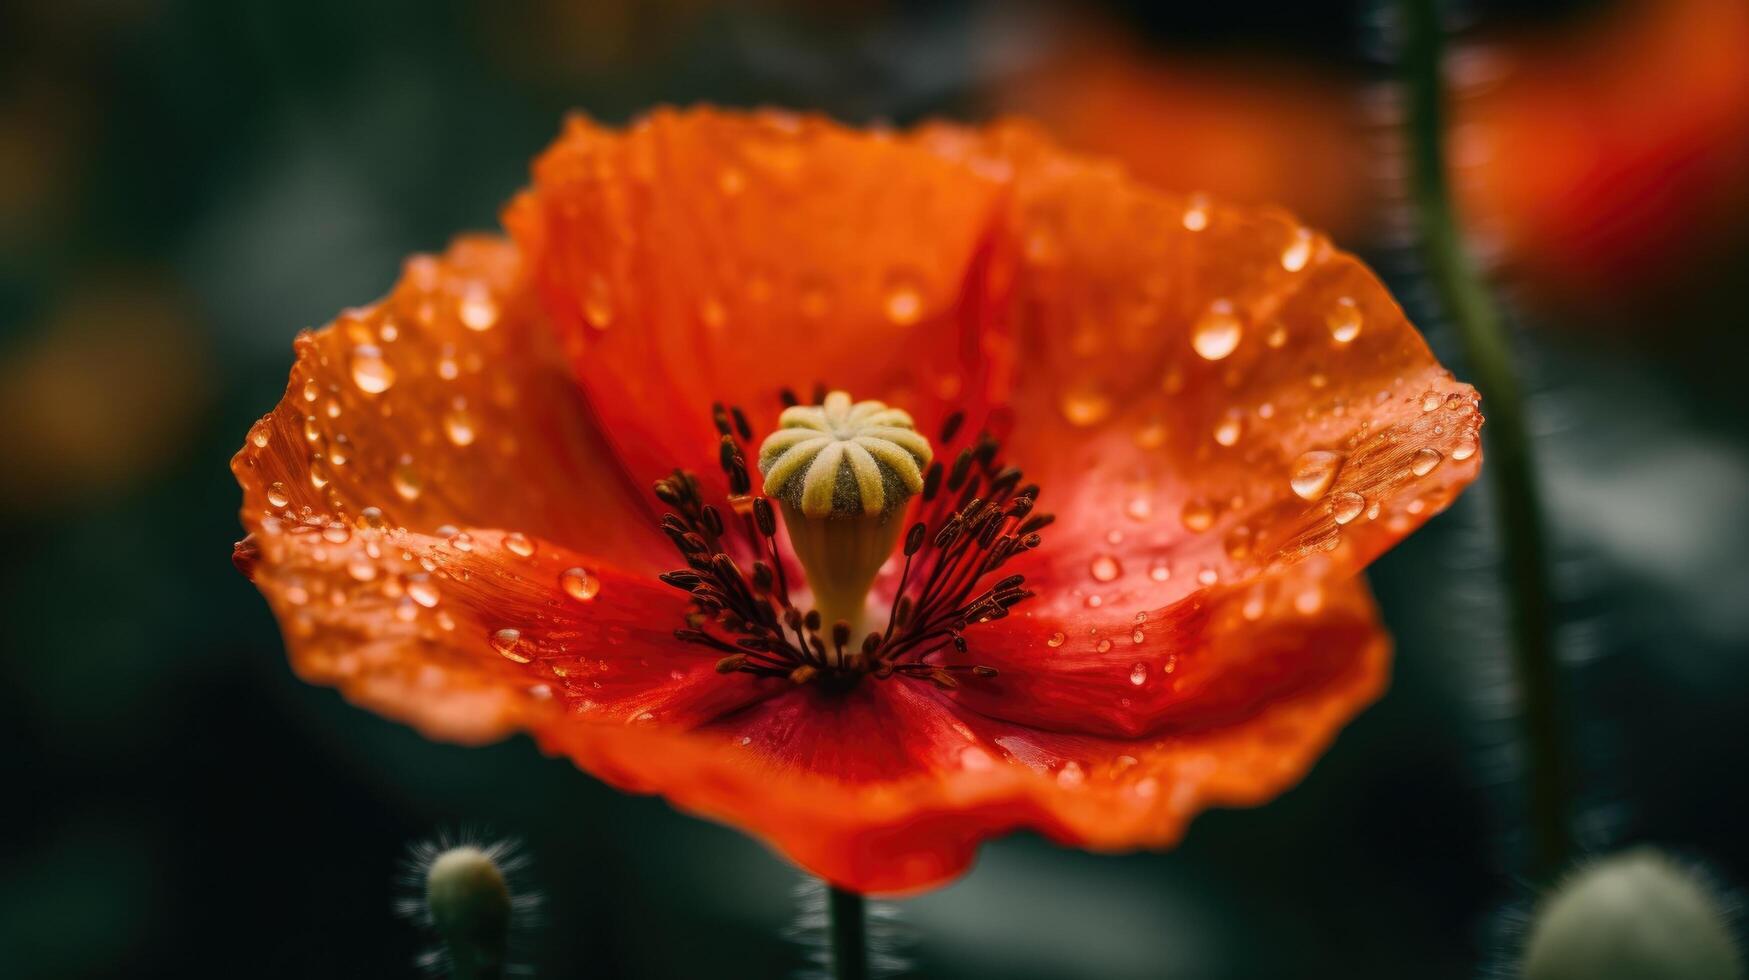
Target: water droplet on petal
260	432
904	300
277	495
1430	401
1346	506
1198	515
407	481
370	372
1159	571
1228	429
1424	460
1465	448
1139	674
1313	473
1196	217
477	309
518	544
579	584
1071	774
505	641
336	533
1105	568
597	304
1217	332
458	425
423	590
1344	320
1298	251
1085	406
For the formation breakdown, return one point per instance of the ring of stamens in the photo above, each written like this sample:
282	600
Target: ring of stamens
971	519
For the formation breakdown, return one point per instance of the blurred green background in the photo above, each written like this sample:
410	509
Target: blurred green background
184	185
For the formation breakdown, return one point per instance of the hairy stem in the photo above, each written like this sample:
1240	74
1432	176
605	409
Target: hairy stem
1510	459
846	912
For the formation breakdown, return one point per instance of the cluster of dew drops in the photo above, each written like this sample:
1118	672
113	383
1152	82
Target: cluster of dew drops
1215	335
416	590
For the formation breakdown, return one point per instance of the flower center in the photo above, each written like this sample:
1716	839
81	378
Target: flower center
843	475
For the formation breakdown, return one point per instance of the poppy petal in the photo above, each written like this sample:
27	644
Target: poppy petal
484	632
1207	396
703	256
439	407
445	404
891	788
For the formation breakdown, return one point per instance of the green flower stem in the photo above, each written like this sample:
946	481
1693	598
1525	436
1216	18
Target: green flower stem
1510	461
847	914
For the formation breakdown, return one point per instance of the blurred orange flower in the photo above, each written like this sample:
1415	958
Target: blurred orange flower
1599	160
448	511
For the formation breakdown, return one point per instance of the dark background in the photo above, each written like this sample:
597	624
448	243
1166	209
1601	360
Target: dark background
184	185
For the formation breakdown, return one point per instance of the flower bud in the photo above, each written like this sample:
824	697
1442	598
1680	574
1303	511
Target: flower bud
1631	916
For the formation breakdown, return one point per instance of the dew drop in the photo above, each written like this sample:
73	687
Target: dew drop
1344	320
1196	217
336	533
1198	515
458	425
1071	774
1151	436
370	372
505	641
597	305
1139	674
1207	576
1424	460
1217	332
1228	430
462	541
423	591
312	391
904	300
277	494
260	432
406	480
1313	473
579	584
477	310
1138	509
1159	571
1298	252
1105	568
1430	401
362	569
1465	448
1346	506
1085	406
518	544
1103	646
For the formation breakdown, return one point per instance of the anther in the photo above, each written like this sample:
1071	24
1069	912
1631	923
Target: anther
914	539
951	427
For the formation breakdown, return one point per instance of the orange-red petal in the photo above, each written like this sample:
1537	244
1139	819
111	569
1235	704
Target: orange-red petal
1208	396
705	256
422	445
892	788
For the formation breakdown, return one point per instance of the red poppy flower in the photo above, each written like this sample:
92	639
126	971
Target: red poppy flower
451	510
